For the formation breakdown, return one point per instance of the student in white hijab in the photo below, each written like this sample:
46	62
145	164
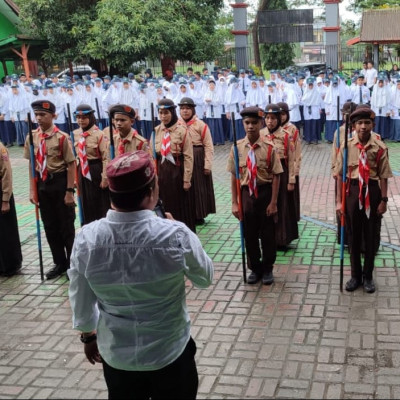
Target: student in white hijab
213	104
73	99
292	101
19	108
395	113
381	106
222	87
273	94
235	101
254	96
331	110
195	93
312	113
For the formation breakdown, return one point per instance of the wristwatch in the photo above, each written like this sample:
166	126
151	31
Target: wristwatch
72	190
385	199
88	339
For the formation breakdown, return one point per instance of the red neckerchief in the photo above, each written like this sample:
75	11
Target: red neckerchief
41	155
251	163
83	160
363	178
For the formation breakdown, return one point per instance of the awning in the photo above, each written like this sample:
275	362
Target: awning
353	41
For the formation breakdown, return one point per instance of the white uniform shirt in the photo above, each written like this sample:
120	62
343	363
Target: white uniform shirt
127	281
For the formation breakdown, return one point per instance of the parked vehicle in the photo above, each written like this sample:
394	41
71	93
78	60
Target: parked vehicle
79	70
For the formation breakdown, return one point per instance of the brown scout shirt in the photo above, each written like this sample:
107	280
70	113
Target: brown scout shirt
134	142
380	170
294	134
335	150
96	146
5	173
265	154
181	144
57	158
201	136
278	138
106	132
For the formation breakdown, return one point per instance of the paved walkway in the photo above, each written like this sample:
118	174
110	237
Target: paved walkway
299	338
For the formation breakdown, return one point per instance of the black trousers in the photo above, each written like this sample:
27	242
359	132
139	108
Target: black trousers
178	380
257	226
358	226
95	200
58	219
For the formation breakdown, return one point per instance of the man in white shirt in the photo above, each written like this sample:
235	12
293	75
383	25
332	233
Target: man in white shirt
127	288
371	75
360	93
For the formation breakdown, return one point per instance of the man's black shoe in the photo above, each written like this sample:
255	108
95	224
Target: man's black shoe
268	278
369	285
253	278
352	284
56	271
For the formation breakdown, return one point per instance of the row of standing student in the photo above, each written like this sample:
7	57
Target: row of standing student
179	145
183	150
269	162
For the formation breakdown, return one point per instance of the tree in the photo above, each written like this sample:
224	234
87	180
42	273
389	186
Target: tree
361	5
132	30
274	55
63	23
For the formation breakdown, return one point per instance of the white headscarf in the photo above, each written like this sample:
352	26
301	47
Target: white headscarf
380	96
311	96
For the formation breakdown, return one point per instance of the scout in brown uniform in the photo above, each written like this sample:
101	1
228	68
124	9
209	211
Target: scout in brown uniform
203	154
294	136
55	164
91	149
367	173
286	229
260	170
10	246
126	139
348	108
174	150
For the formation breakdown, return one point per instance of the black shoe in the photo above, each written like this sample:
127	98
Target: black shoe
12	273
268	278
56	271
352	284
200	221
253	278
369	285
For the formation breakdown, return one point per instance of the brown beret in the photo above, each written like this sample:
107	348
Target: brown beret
44	105
122	109
283	106
252	112
186	101
130	172
362	113
349	107
272	109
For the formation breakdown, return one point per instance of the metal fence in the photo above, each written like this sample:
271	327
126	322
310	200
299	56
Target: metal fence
349	58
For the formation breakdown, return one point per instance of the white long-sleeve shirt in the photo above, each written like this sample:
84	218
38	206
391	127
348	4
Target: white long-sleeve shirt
127	281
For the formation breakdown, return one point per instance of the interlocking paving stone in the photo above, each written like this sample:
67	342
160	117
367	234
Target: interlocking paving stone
298	338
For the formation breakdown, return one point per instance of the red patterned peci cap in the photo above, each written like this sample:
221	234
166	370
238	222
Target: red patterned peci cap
130	172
